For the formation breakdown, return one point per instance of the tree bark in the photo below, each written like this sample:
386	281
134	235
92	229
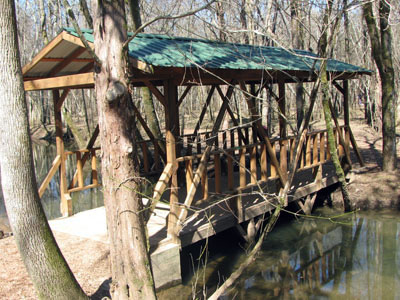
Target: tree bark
43	22
130	262
323	50
220	11
85	10
148	103
381	48
43	260
298	43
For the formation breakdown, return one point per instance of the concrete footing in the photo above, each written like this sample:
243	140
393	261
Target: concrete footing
166	263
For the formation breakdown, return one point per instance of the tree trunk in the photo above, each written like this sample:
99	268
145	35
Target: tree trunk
86	13
298	43
381	47
323	45
220	11
43	22
148	103
130	262
43	260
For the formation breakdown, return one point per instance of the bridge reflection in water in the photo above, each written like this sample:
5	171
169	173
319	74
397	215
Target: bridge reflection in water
358	258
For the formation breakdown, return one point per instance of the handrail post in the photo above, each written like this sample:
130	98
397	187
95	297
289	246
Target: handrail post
172	132
66	201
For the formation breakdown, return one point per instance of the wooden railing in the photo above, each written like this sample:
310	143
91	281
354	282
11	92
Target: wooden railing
225	139
242	166
235	150
252	161
150	164
78	181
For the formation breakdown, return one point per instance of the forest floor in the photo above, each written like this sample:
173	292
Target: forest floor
370	188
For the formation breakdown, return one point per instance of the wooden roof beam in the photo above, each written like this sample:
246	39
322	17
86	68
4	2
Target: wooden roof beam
156	92
66	61
46	50
61	82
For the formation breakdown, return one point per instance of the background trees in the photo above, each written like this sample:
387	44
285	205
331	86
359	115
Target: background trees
285	23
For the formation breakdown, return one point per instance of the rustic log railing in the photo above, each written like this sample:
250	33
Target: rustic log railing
231	154
79	158
80	162
243	166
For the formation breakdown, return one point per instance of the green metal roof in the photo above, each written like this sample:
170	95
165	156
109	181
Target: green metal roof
165	51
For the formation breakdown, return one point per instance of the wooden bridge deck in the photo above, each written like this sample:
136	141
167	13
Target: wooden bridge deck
202	222
215	215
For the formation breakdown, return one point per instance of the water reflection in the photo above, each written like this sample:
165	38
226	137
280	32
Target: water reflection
314	259
43	156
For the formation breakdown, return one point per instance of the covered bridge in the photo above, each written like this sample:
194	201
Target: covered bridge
208	181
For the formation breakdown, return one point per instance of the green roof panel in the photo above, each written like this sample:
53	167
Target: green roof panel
165	51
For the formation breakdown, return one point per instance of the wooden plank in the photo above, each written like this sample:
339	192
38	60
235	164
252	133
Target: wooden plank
232	116
292	144
204	110
89	146
315	148
162	182
264	166
79	168
229	161
308	151
242	167
261	132
68	81
54	168
66	202
282	109
204	184
156	92
46	50
217	170
328	153
198	144
204	159
62	99
283	155
273	167
182	97
346	108
95	180
189	173
322	147
172	133
75	40
66	61
60	59
253	164
84	188
342	142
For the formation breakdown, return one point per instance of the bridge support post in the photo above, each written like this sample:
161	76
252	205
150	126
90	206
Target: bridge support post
171	135
66	201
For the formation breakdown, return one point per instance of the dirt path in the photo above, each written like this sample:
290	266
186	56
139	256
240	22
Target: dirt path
87	259
370	188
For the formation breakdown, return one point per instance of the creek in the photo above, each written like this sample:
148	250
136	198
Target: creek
352	257
43	155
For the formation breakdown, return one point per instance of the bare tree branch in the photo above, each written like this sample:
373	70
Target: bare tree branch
71	15
166	17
